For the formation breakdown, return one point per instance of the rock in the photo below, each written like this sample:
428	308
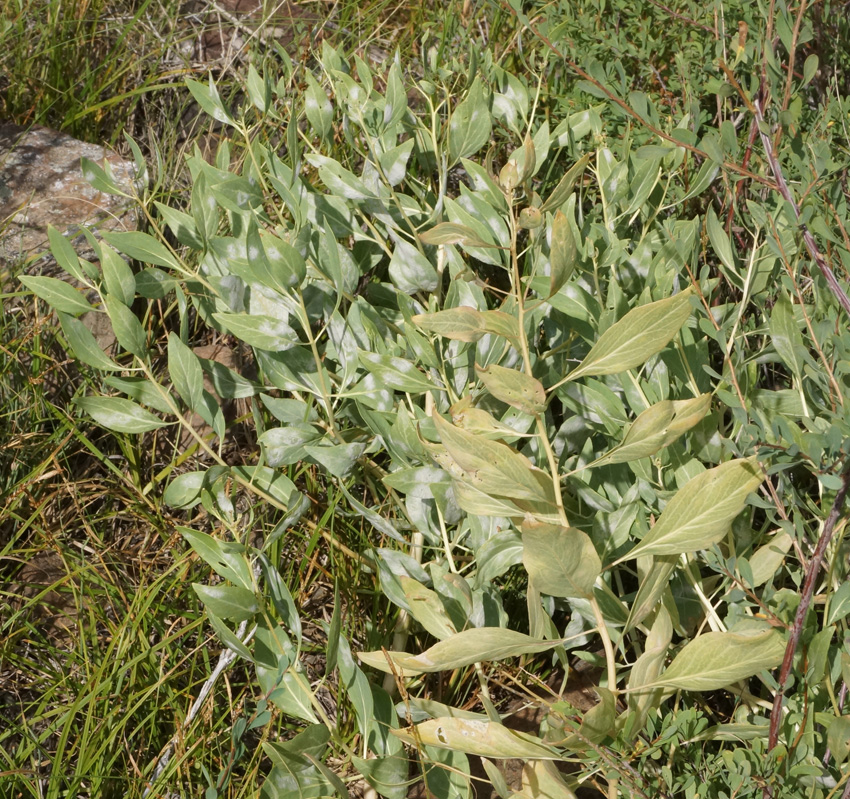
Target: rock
42	182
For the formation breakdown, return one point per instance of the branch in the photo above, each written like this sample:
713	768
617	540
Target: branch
805	602
808	238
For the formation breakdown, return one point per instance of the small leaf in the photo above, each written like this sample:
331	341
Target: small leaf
513	387
786	337
101	178
64	253
127	327
483	738
118	278
427	608
715	660
208	98
562	561
462	649
120	415
410	271
563	252
564	189
722	246
766	560
57	294
641	333
701	513
387	775
226	558
467	324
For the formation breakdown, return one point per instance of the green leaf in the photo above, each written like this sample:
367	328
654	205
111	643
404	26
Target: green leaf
563	252
182	225
474	737
513	387
64	253
766	560
657	427
154	284
284	446
838	738
462	649
542	780
394	162
208	98
396	373
655	581
127	327
101	178
641	333
118	278
467	324
786	337
143	391
57	294
722	246
470	124
338	459
701	513
142	247
387	775
562	561
410	271
226	558
228	601
492	467
228	637
184	491
427	608
264	332
318	107
839	604
118	414
715	660
564	189
184	367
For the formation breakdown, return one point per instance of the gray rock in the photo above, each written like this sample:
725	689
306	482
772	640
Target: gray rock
42	182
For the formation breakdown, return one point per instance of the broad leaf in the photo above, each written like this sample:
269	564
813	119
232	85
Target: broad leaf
462	649
483	738
715	660
701	513
641	333
470	124
562	561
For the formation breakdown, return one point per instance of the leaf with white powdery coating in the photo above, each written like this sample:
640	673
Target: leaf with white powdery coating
119	414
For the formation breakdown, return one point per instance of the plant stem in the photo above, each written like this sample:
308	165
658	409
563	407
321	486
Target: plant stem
803	608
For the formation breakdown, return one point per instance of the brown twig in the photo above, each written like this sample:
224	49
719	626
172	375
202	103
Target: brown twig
802	610
808	238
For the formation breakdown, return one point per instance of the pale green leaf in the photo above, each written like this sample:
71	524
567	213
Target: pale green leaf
470	124
640	334
119	414
228	601
562	561
838	738
563	252
701	513
717	659
657	427
766	560
513	387
453	233
483	738
264	332
57	294
396	373
142	247
561	193
461	649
